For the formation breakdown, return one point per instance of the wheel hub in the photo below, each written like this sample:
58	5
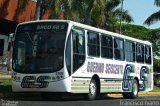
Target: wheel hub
135	88
92	88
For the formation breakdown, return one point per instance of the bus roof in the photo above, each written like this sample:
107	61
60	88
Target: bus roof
92	29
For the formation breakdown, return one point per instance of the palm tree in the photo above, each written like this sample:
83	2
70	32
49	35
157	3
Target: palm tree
56	8
97	13
113	14
155	16
89	12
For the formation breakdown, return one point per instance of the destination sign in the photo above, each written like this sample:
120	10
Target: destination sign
54	27
43	26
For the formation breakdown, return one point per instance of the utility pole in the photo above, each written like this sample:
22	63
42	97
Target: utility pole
38	10
120	26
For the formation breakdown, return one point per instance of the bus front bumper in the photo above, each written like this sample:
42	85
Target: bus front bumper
56	86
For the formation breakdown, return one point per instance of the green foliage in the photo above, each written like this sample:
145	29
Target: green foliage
156	88
156	65
143	33
114	14
157	80
136	31
155	39
155	34
5	86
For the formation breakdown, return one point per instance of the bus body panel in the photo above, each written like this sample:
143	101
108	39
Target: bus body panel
62	85
80	85
111	74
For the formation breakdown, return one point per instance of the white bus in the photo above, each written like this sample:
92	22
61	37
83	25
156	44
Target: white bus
62	56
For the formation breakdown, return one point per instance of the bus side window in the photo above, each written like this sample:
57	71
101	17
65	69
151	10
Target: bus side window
78	48
78	44
93	44
148	54
130	51
106	46
140	53
119	49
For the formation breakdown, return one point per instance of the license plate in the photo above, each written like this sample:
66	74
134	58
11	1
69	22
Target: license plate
34	86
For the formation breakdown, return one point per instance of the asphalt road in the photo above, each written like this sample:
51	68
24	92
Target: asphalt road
36	100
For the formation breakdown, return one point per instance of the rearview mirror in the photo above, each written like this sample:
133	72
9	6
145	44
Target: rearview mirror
10	37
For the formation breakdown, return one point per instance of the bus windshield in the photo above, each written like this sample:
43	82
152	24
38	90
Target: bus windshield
39	50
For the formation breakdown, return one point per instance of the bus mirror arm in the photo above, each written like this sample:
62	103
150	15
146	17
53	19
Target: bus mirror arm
11	36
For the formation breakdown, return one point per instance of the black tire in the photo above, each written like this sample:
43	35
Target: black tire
134	93
93	90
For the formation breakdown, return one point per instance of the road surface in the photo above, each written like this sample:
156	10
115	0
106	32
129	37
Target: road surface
36	100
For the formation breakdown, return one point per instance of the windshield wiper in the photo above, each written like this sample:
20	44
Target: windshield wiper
27	33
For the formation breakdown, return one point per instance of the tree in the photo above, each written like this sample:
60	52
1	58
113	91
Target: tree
155	16
155	39
113	14
136	31
89	12
95	12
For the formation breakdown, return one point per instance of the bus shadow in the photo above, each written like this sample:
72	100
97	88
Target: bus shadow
67	98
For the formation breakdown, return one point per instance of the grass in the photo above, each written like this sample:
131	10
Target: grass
5	82
156	88
5	86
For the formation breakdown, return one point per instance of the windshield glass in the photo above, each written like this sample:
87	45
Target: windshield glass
39	50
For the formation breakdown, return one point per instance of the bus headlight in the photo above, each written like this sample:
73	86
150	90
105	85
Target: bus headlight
57	77
16	78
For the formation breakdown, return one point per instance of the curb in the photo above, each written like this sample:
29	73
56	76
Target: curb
8	95
2	76
140	94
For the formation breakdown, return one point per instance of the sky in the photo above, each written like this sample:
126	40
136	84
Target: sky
140	10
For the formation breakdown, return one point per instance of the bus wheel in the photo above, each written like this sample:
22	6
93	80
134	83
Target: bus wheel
93	90
134	93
